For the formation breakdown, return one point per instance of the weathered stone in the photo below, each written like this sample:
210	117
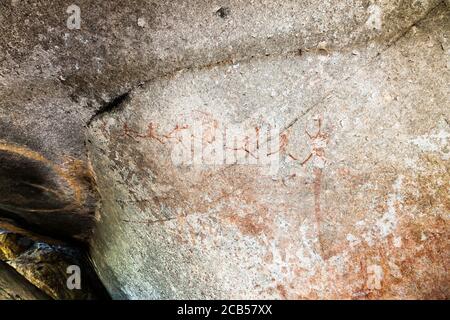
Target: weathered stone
53	79
14	287
346	63
358	208
45	265
121	44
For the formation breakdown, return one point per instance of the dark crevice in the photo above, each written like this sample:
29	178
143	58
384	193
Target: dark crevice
405	32
23	223
110	106
81	248
223	12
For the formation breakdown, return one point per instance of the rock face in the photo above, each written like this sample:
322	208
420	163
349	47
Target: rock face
54	79
335	185
43	195
332	180
44	262
14	287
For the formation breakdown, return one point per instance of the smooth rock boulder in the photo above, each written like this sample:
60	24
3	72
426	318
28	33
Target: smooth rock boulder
334	184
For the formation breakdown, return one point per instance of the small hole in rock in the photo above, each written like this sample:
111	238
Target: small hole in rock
223	12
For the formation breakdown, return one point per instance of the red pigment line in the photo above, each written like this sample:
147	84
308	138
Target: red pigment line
317	193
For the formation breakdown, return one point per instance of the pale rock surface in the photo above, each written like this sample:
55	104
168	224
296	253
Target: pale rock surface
357	210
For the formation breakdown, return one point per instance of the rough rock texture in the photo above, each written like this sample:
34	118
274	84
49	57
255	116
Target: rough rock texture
358	208
123	43
44	264
14	287
53	80
47	197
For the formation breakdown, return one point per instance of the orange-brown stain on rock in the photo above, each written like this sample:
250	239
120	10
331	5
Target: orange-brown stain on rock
247	224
